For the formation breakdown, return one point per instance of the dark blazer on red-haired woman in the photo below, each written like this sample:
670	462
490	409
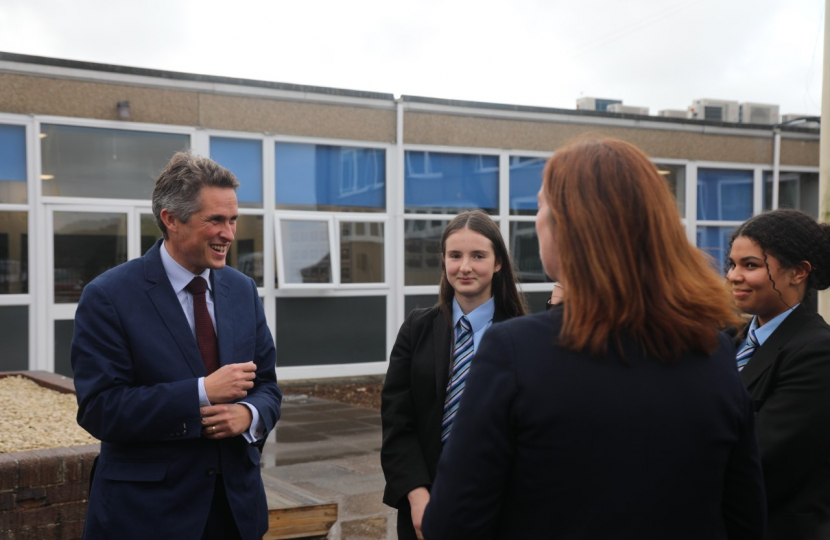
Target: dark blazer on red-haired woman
554	443
788	378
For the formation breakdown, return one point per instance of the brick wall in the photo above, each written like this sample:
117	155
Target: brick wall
43	493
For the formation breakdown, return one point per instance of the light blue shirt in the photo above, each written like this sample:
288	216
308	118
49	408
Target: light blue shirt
764	332
180	277
481	318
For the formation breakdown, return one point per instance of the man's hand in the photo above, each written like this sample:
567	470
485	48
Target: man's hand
221	421
418	500
230	382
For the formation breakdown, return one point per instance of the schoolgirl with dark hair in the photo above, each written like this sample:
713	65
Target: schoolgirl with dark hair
775	260
432	354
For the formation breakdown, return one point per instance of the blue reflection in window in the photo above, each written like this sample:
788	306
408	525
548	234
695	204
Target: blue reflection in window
316	175
724	195
12	153
525	182
715	242
447	182
243	157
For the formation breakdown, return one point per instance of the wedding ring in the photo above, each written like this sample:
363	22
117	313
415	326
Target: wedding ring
213	429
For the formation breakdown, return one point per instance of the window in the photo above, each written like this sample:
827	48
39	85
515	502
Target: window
422	251
325	251
795	190
13	164
353	330
14	345
525	182
243	157
86	244
675	176
14	253
724	194
524	250
104	163
440	183
715	242
332	178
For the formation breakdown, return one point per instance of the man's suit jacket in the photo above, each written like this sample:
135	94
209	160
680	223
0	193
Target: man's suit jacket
136	364
553	443
789	380
413	403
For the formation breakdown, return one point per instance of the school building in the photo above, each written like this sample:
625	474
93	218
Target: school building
344	194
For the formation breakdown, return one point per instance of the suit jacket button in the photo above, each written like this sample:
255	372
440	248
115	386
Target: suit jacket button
211	471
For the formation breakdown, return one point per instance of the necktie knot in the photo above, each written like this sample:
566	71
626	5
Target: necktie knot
197	286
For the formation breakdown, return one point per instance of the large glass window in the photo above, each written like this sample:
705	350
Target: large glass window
524	250
86	245
715	242
413	301
14	338
323	177
439	183
724	194
150	232
14	253
422	251
307	251
675	176
246	250
525	182
353	330
361	252
13	164
795	190
243	157
104	163
63	347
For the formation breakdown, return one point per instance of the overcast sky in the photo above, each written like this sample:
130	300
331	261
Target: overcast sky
656	53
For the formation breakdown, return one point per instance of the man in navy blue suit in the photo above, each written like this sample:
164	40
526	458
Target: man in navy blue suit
174	373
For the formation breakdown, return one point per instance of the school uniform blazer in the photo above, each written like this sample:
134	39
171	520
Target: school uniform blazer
413	402
553	443
789	380
136	364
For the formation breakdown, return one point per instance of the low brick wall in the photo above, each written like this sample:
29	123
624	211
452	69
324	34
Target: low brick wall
43	493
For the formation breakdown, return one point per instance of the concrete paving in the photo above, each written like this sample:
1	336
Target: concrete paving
332	450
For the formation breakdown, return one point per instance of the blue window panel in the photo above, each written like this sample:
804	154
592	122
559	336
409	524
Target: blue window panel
316	176
243	157
446	183
525	182
724	195
715	242
12	153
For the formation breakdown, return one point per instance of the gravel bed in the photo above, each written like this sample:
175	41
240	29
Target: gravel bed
33	417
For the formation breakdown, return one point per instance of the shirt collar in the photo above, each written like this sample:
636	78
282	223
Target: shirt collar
178	275
762	333
478	317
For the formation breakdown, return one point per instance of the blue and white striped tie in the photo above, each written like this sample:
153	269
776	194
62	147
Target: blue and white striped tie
746	353
461	358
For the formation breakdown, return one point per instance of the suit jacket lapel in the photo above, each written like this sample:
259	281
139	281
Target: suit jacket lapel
764	357
163	297
224	323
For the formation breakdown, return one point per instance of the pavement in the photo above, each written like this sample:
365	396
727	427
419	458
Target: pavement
332	450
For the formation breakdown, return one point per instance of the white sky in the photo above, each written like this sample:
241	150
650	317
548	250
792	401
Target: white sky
656	53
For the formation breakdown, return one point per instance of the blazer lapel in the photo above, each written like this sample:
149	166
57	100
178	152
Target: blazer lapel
441	332
764	357
224	322
163	297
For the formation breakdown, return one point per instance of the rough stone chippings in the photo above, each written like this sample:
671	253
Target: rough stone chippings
33	417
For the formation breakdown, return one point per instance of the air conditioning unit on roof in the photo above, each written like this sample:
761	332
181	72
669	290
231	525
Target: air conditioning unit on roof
672	113
758	113
627	109
595	104
718	110
790	117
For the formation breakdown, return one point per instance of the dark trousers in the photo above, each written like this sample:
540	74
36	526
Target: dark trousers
220	524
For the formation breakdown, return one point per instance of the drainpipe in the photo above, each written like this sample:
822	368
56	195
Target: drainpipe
824	150
776	165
